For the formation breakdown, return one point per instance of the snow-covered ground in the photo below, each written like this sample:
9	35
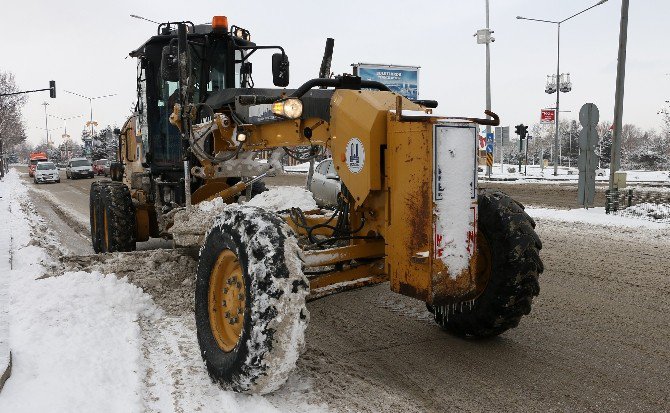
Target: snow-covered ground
85	341
535	173
593	216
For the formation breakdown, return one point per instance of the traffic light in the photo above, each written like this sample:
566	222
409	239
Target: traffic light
521	130
52	89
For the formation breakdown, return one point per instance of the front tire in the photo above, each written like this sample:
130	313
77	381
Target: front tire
250	300
511	247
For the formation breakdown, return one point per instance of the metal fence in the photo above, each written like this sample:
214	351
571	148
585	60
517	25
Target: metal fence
646	204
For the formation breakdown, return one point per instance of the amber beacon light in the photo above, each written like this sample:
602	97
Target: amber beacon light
220	23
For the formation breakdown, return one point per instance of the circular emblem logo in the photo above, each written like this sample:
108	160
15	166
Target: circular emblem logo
355	154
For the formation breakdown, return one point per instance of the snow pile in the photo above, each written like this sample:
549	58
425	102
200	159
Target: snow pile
75	338
281	198
76	341
300	168
5	257
190	227
656	212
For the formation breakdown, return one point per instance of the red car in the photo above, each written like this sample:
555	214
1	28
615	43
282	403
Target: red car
101	166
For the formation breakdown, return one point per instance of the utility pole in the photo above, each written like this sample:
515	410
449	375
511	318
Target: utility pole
46	121
615	161
488	77
557	145
484	37
525	167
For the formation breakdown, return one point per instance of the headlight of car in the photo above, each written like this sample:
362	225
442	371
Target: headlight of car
289	108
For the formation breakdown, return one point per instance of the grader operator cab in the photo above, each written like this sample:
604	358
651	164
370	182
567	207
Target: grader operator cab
409	211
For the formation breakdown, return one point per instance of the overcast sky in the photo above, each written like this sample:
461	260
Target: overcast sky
83	46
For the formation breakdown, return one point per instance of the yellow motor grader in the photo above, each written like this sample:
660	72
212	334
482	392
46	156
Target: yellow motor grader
409	211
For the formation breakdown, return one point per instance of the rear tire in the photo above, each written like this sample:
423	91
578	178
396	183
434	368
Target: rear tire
117	218
258	355
95	206
515	268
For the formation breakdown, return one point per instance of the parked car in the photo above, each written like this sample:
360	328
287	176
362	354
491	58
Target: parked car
46	172
99	166
325	184
106	168
79	168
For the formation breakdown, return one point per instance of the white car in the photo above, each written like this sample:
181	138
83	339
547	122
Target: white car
325	184
79	168
46	172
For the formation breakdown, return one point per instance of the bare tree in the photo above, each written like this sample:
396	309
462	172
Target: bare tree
12	128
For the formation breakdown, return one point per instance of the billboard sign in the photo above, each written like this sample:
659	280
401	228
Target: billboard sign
547	116
403	80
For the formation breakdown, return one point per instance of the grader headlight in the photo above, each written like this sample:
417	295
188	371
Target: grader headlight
290	108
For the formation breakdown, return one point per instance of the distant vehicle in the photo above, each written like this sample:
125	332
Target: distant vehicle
46	172
106	168
79	168
99	166
325	184
36	157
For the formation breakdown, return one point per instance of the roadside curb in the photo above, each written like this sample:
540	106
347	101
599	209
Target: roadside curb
6	371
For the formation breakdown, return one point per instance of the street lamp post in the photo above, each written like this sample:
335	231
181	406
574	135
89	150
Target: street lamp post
65	122
46	121
90	102
484	36
558	71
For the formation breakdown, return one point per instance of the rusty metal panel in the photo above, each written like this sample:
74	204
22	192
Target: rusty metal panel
409	220
431	222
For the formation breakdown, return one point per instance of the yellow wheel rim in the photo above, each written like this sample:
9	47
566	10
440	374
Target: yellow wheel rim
105	229
226	303
484	266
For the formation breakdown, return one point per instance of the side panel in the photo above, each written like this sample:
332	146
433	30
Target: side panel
432	210
358	129
410	209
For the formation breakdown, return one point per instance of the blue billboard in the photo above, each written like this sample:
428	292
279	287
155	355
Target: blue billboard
403	80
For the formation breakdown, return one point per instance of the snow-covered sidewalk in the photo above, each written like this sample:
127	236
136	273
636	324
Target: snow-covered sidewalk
75	338
5	265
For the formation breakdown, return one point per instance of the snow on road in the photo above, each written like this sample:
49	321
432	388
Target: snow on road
84	341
